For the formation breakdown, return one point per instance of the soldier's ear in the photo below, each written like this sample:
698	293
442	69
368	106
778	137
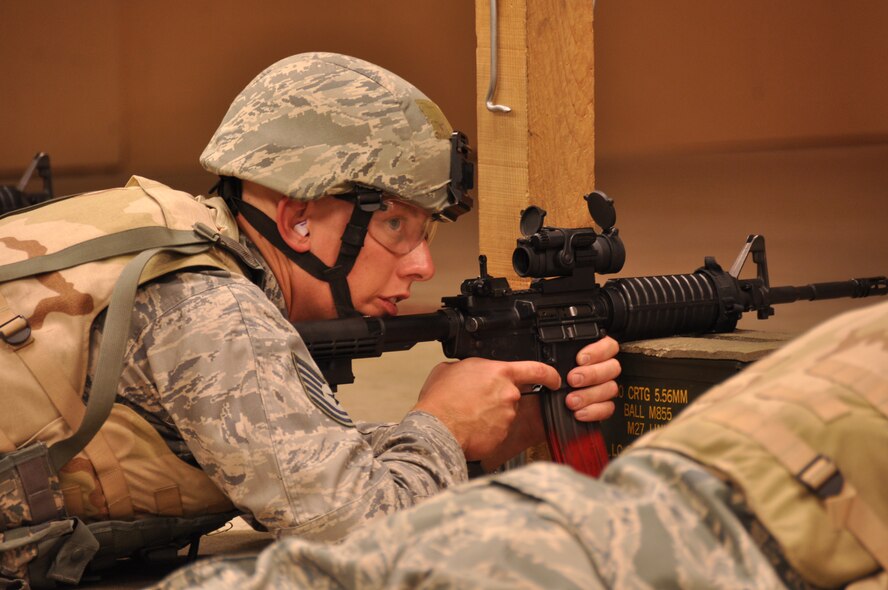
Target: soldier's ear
293	224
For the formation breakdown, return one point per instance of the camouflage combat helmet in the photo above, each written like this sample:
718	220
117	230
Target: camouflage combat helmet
318	124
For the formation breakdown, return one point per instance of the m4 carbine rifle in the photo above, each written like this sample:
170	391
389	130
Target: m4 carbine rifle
13	197
564	309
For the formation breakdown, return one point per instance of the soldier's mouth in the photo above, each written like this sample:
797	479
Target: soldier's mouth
390	304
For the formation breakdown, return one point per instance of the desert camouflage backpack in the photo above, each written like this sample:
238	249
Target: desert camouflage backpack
803	435
89	483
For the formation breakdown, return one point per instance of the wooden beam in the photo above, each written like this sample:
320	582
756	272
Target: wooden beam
542	152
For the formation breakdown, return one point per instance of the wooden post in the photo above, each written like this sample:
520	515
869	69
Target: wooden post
542	152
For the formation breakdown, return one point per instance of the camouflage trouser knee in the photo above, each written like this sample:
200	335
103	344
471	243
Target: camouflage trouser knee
481	535
657	520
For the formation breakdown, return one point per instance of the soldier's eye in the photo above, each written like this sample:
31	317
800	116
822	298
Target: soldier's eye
394	224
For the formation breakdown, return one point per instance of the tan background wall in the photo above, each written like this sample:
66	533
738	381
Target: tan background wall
718	119
713	120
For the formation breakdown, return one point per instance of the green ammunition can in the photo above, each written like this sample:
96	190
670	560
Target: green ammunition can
661	377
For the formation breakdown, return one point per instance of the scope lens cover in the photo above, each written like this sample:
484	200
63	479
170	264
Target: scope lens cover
601	208
532	220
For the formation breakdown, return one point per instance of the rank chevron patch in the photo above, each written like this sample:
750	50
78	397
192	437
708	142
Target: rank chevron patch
319	393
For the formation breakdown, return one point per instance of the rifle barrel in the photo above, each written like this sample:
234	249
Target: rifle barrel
864	287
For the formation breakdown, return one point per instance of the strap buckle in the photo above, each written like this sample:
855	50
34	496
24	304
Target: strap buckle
15	331
821	477
207	232
233	246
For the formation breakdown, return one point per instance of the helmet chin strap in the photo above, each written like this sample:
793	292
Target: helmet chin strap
231	190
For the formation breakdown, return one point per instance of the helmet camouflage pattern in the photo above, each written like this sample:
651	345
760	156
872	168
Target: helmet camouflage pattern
320	123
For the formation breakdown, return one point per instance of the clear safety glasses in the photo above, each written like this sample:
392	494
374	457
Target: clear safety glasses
401	227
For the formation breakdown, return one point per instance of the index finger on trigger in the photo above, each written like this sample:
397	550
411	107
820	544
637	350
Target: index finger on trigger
534	373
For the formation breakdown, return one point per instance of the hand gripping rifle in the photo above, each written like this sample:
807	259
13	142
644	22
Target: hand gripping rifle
564	309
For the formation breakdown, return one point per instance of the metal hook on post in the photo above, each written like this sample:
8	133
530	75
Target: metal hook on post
494	108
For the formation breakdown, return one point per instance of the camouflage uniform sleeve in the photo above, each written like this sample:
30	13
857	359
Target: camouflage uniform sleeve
375	432
237	382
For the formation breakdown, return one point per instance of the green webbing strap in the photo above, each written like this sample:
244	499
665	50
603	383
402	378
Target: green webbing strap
110	362
125	242
74	555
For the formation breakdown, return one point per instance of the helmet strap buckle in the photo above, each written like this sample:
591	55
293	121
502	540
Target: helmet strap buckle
365	198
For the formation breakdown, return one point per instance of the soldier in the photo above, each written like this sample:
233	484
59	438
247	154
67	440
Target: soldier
773	479
335	172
